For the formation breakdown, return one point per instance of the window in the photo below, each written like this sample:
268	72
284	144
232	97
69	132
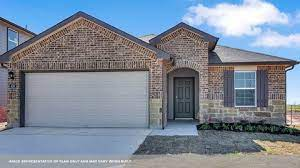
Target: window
245	88
12	39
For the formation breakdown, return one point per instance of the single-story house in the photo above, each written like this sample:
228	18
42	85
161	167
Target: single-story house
83	72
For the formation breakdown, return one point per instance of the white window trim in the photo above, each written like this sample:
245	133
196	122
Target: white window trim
17	42
255	88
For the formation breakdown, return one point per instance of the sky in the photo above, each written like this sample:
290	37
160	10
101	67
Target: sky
267	26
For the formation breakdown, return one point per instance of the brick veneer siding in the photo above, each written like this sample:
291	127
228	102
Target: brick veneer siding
83	45
274	113
189	50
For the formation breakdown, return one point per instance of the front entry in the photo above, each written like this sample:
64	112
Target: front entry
184	98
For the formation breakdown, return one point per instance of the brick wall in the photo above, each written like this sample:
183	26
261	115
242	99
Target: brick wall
85	46
274	113
189	50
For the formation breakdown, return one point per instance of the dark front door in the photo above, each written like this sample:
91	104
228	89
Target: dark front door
184	97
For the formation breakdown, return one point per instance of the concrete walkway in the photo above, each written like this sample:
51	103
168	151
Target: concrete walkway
178	128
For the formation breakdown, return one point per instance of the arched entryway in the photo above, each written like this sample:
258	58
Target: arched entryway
183	94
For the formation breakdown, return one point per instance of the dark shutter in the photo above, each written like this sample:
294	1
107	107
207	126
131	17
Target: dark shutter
228	88
262	88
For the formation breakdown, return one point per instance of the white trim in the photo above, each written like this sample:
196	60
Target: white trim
255	88
245	67
9	40
184	119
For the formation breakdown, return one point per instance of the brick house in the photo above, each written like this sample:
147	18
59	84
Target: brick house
83	72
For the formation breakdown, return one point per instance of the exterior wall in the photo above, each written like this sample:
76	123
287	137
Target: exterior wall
3	86
23	38
165	95
85	46
3	37
184	72
3	93
274	113
189	50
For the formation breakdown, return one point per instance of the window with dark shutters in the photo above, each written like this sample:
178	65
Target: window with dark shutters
262	88
228	88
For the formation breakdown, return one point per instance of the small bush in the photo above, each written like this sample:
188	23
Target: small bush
217	126
249	127
205	126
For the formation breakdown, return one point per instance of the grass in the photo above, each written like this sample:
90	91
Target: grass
295	126
279	147
296	108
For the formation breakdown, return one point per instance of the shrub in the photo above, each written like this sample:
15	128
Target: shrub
239	127
205	126
249	127
217	126
225	126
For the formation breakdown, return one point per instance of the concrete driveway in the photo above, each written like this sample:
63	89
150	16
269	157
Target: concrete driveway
73	141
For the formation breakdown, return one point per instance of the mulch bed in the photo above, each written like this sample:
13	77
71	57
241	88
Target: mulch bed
210	142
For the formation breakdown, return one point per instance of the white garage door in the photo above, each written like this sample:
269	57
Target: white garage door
87	99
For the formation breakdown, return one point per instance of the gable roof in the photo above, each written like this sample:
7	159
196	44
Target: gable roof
160	54
207	37
17	26
147	37
228	55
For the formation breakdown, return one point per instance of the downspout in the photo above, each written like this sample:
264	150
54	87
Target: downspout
285	110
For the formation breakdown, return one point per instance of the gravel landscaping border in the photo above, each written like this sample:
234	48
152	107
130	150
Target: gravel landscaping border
211	142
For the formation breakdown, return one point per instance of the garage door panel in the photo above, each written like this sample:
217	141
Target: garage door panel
95	99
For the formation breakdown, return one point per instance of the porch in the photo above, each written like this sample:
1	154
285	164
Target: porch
178	128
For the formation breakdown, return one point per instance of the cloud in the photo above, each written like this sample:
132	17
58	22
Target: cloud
273	39
297	18
298	15
236	19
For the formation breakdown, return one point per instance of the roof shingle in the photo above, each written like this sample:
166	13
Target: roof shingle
228	55
17	26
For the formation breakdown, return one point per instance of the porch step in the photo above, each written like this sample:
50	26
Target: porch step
178	128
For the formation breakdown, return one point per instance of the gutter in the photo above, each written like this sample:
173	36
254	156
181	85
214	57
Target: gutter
286	70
